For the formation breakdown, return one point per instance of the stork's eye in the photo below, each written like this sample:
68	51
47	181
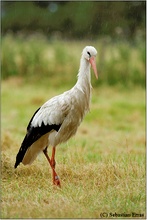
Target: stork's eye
89	53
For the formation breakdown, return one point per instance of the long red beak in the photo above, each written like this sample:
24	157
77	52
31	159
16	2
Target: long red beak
93	64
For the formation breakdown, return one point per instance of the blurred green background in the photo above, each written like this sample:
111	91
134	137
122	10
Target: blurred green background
40	38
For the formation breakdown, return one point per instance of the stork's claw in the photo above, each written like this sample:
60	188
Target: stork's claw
57	183
56	179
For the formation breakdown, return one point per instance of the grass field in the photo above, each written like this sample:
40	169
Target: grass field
118	61
102	169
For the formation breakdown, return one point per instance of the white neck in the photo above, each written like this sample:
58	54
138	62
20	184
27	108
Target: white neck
84	82
84	76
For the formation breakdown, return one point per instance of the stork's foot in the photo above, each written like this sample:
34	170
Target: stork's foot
56	180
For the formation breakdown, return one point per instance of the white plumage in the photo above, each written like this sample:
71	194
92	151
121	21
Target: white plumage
58	119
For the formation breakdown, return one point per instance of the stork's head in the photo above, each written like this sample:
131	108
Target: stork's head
89	53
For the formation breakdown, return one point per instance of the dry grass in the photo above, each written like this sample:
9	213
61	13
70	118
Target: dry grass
102	169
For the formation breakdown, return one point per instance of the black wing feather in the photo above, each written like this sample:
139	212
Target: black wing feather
33	134
32	119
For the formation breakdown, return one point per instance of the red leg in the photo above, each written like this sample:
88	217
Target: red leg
56	180
53	162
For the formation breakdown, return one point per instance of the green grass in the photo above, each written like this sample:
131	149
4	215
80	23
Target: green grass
102	169
117	61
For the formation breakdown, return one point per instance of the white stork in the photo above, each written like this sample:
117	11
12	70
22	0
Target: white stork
59	118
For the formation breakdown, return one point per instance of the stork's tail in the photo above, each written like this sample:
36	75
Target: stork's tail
28	156
19	156
31	154
21	152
